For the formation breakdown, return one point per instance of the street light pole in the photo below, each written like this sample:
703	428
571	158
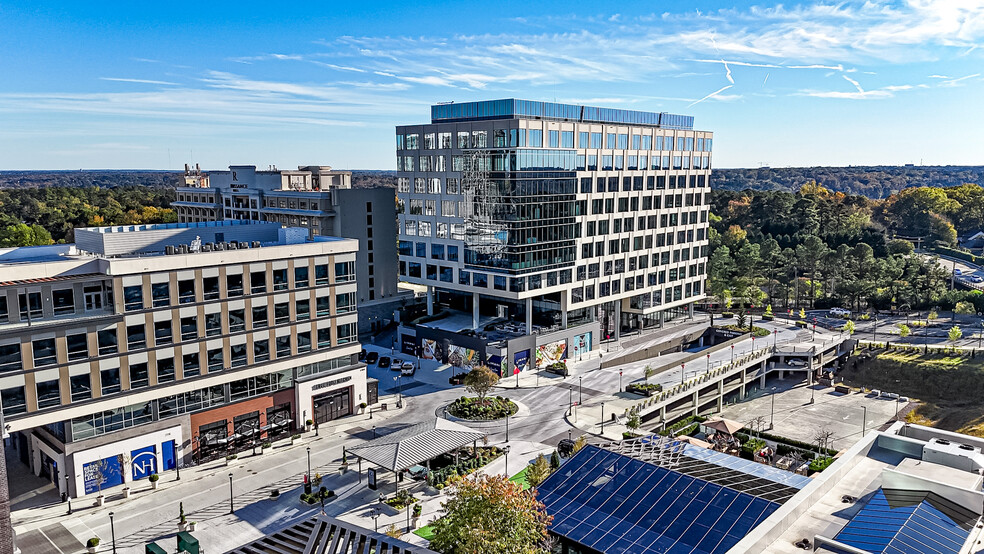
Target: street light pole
232	507
864	419
570	400
580	398
505	450
602	419
682	372
775	338
620	380
772	417
507	428
112	529
732	352
309	464
68	495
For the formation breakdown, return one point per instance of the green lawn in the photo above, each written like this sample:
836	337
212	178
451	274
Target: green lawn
425	532
521	478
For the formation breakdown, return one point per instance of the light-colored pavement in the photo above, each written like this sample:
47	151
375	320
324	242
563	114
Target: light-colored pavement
795	417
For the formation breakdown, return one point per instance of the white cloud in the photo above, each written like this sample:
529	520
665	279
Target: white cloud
142	81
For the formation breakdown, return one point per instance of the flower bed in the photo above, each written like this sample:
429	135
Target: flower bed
756	331
644	389
401	500
485	409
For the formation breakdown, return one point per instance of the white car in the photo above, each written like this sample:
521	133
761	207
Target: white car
957	272
839	312
976	279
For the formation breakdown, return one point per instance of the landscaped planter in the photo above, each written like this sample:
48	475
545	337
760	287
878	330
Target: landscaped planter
646	390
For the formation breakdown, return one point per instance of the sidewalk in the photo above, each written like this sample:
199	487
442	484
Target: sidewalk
204	491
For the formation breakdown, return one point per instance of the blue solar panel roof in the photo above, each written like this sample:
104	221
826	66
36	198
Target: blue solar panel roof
773	474
616	504
907	522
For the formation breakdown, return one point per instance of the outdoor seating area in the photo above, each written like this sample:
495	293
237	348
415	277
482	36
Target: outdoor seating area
720	435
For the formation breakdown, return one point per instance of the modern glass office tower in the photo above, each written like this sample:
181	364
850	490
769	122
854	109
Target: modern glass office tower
555	215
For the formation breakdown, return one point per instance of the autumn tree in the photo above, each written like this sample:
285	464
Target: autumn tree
538	471
480	380
954	334
488	514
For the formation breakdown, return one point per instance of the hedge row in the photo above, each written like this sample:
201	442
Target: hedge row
954	253
683	423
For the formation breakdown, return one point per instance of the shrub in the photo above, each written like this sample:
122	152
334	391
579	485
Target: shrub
752	446
417	510
309	422
153	477
295	436
231	457
439	486
820	464
363	405
644	389
92	543
267	444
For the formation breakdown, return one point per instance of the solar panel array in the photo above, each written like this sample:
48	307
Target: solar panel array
908	522
616	504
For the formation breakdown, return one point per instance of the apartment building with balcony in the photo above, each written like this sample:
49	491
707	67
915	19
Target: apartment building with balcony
140	347
562	222
317	198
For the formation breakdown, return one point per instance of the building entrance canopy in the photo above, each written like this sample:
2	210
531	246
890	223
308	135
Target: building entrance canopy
416	444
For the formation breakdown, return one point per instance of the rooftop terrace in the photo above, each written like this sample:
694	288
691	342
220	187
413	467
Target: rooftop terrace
511	108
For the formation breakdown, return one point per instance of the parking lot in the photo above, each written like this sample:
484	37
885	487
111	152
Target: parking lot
796	418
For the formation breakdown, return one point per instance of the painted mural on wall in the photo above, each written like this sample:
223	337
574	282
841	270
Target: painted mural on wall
462	357
428	350
552	352
580	345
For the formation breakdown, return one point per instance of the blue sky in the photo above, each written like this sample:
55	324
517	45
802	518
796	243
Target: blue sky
158	84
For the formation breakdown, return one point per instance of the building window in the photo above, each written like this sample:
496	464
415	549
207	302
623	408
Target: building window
213	324
238	353
301	277
10	357
347	333
63	301
165	370
14	400
281	313
132	298
210	288
304	342
44	352
107	342
237	320
48	394
324	338
189	328
161	294
190	365
77	346
260	316
110	379
279	279
283	346
81	387
303	309
136	337
321	274
186	291
344	272
215	361
139	376
234	284
261	350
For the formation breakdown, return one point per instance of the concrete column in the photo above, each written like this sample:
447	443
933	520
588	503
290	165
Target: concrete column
618	319
529	316
696	401
762	381
741	390
475	310
7	545
430	300
563	318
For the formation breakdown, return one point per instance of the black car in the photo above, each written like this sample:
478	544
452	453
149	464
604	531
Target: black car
372	357
384	362
362	355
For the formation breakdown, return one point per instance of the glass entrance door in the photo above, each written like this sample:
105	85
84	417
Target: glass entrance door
332	405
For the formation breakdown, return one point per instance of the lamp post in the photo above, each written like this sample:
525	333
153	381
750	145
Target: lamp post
864	419
602	419
620	380
408	517
505	451
708	363
68	495
507	428
112	529
775	338
177	459
580	399
373	431
732	352
570	400
309	464
682	372
375	518
898	398
232	507
772	418
321	495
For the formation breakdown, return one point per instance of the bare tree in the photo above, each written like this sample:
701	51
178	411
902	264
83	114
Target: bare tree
822	436
757	423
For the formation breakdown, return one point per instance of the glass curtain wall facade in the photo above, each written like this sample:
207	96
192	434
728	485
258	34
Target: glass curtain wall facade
522	200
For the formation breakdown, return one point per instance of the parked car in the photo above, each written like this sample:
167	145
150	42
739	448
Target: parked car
397	364
408	369
362	355
384	362
976	279
839	312
372	357
796	362
957	271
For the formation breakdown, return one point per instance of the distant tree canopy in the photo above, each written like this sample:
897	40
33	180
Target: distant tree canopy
871	181
819	248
